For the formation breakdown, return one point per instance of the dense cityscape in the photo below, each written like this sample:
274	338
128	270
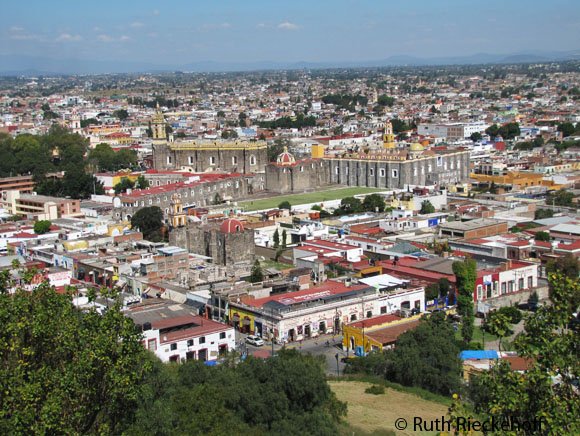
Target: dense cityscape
351	250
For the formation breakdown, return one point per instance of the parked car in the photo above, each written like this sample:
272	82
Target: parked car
255	340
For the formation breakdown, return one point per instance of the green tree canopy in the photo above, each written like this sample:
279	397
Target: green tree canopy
373	203
41	227
285	205
465	277
427	207
123	185
547	390
542	236
149	221
349	205
256	275
65	371
121	114
476	136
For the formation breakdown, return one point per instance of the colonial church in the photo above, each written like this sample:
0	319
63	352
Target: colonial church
391	167
201	156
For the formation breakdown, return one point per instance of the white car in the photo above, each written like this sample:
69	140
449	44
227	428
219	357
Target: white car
255	340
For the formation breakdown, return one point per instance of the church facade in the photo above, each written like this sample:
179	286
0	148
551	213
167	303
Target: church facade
200	156
392	167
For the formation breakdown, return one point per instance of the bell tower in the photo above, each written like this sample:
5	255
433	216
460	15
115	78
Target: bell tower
177	216
389	137
158	125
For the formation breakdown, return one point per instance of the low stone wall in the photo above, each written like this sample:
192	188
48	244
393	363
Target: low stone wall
519	297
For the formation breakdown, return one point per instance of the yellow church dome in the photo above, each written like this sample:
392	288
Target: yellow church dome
416	147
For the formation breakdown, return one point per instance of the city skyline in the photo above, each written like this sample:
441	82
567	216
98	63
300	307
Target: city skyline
147	35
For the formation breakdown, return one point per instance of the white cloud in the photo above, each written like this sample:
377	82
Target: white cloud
136	24
287	25
124	38
156	12
67	37
105	38
20	34
214	26
263	26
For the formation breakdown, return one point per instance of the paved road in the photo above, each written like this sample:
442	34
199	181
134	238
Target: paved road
315	346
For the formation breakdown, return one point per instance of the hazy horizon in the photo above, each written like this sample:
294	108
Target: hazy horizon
229	31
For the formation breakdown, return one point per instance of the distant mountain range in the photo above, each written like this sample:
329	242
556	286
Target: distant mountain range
36	65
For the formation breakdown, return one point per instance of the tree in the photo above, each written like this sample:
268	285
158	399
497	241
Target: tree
426	357
276	238
121	114
277	148
142	182
465	277
56	358
285	205
41	227
542	236
149	221
123	185
493	188
256	275
385	100
476	136
566	265
492	130
509	130
567	129
284	237
427	207
547	390
349	205
373	203
498	324
541	214
561	198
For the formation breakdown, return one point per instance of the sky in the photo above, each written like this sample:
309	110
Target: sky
178	32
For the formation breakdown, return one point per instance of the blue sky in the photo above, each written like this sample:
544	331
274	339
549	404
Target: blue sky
180	32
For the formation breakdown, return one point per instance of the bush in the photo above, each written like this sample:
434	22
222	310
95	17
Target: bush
375	390
513	313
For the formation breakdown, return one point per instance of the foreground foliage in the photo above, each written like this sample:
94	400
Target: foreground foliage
548	390
66	371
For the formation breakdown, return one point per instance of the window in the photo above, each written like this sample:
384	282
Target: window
202	340
479	292
190	160
521	283
252	160
337	170
173	347
395	174
371	171
369	313
439	161
152	344
383	310
458	164
169	160
190	342
503	288
353	317
234	160
382	172
212	160
530	282
222	335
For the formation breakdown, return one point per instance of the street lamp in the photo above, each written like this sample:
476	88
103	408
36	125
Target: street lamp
337	368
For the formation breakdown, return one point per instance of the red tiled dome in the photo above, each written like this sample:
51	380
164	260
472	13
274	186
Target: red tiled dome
231	225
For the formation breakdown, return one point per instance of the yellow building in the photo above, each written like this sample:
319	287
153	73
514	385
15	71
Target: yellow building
389	137
515	179
376	334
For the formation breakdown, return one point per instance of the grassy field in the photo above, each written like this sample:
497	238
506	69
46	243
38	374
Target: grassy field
277	265
310	197
376	414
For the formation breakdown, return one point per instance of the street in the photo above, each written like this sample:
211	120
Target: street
315	346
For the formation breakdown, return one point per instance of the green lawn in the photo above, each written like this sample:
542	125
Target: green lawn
277	265
478	335
310	197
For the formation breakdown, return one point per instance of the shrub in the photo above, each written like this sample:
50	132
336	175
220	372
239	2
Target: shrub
375	390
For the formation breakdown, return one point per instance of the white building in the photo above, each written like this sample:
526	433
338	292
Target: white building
175	332
323	309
